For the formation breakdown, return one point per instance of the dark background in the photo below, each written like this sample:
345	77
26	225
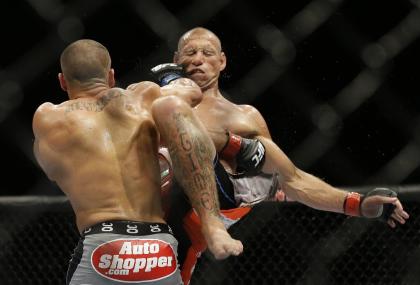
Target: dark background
337	81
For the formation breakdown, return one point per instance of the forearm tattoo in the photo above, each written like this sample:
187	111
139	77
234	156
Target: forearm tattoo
192	160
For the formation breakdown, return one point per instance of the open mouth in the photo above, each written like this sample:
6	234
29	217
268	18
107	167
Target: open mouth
195	71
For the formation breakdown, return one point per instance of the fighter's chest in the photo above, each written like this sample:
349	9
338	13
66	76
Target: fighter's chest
221	117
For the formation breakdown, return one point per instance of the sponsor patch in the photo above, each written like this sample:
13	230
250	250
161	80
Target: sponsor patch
134	260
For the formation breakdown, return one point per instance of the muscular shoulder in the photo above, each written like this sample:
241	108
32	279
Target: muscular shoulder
256	118
250	111
44	109
44	116
144	86
144	91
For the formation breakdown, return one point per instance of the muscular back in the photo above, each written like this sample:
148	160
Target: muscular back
102	152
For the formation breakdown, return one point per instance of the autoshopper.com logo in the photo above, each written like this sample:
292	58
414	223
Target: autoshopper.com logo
133	260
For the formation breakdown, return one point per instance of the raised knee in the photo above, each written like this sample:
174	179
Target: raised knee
167	106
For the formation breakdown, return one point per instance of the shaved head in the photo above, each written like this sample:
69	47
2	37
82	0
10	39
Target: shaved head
199	32
85	61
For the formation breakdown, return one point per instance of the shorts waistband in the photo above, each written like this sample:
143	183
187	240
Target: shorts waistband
128	228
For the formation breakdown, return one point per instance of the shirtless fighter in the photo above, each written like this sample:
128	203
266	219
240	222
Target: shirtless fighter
101	149
250	152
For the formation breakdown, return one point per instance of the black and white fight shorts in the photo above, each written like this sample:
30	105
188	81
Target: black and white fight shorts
125	252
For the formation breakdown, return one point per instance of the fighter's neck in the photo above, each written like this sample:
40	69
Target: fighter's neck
212	92
85	92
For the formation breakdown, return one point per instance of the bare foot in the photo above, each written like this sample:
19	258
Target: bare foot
219	241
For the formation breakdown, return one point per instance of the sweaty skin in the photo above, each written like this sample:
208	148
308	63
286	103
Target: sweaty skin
101	149
101	146
200	52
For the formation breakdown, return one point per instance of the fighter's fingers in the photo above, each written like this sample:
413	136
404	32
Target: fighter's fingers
398	205
403	214
398	218
391	223
377	199
400	210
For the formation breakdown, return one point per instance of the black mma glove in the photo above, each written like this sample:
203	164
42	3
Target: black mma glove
167	72
353	203
248	153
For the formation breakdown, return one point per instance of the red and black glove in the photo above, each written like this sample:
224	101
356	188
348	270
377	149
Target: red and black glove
248	153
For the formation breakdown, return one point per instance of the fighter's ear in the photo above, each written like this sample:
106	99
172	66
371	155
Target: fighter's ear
111	78
62	80
222	61
176	57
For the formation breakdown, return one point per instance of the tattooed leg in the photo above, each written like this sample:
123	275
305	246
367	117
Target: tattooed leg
192	154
